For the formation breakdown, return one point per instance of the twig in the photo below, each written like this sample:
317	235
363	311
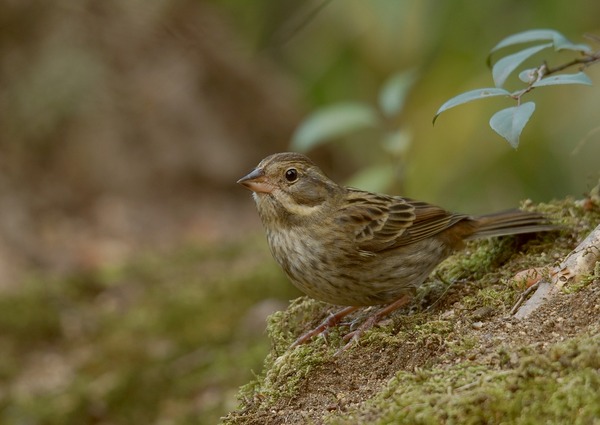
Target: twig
523	297
544	70
585	61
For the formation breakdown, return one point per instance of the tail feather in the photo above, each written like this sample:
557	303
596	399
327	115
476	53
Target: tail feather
511	222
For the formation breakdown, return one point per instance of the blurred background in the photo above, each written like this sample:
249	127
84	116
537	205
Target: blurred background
125	245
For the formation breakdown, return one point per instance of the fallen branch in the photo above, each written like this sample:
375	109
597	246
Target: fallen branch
579	263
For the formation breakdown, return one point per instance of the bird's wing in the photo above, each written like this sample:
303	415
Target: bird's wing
429	220
382	222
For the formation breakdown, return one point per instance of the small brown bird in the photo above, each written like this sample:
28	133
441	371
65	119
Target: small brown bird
355	248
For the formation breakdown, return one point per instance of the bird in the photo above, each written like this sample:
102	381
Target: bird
354	248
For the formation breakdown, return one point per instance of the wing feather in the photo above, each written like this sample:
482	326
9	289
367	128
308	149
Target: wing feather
383	222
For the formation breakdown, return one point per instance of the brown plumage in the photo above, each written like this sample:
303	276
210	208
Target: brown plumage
355	248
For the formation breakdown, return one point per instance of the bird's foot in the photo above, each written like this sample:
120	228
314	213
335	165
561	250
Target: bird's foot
331	321
353	337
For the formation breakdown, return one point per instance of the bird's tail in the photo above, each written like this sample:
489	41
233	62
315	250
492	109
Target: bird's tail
511	222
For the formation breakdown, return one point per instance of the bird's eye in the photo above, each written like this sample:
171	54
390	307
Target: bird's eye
291	175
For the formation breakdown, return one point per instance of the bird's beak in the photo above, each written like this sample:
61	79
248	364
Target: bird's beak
256	182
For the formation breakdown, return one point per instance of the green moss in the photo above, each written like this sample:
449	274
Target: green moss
302	314
286	367
462	345
435	327
581	283
562	386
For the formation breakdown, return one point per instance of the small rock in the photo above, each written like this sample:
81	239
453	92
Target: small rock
481	313
477	325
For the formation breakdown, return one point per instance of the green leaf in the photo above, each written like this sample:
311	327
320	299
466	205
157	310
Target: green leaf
528	75
526	37
505	66
333	121
509	122
394	92
469	97
559	41
553	80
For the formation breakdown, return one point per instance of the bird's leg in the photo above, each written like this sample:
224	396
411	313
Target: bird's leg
372	320
332	320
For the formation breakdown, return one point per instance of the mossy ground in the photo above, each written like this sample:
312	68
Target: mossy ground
454	355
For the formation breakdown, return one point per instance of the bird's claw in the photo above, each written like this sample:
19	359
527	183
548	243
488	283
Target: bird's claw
331	321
